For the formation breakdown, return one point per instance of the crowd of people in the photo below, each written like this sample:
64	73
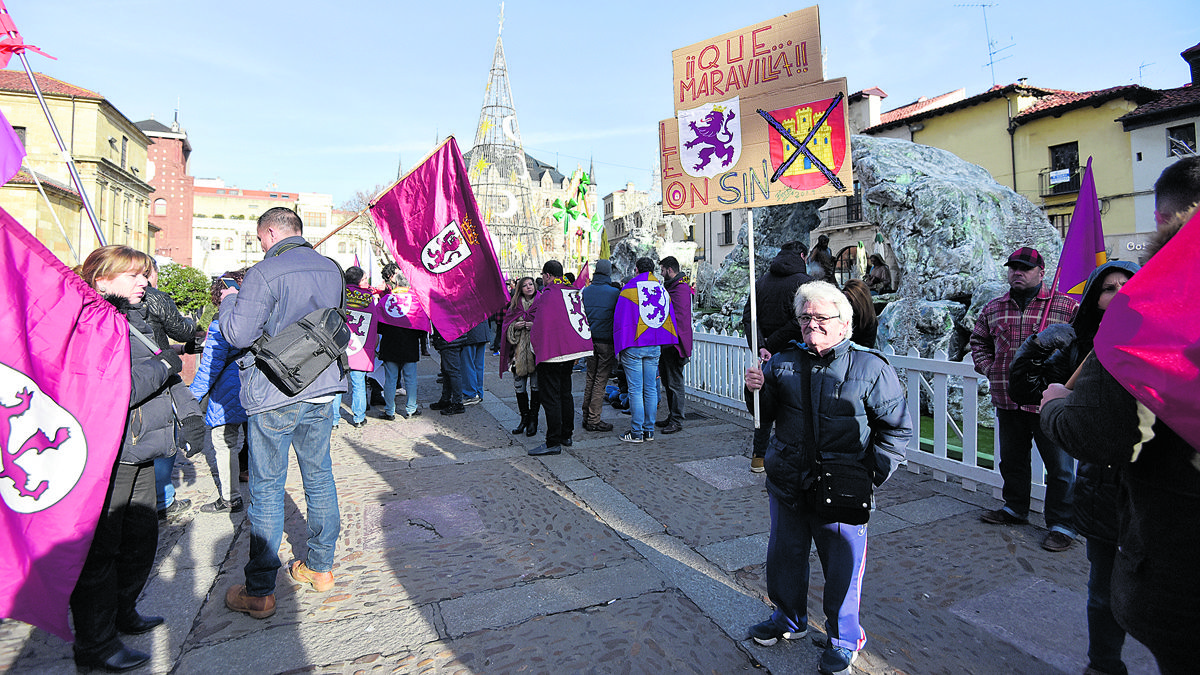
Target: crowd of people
834	423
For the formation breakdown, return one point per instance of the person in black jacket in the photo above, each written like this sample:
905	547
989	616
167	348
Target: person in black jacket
833	403
599	303
1053	355
104	602
775	294
160	313
1154	587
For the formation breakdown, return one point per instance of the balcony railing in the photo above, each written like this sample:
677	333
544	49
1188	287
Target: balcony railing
840	215
1048	189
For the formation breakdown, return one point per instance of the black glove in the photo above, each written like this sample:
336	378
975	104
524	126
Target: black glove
1056	336
171	360
194	431
192	346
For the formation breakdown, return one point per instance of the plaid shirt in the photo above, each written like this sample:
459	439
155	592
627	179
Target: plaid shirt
1002	328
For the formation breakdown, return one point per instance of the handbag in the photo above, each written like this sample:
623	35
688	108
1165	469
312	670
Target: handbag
843	490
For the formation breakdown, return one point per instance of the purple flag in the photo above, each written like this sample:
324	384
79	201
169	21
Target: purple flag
644	316
12	151
64	395
560	326
401	308
431	225
1083	249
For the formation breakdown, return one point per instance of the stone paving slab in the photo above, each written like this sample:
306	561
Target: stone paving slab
1029	613
296	646
660	632
507	606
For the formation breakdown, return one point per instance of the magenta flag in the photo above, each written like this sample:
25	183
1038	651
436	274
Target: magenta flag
585	276
432	227
64	395
1149	339
12	151
363	322
1083	249
560	325
402	308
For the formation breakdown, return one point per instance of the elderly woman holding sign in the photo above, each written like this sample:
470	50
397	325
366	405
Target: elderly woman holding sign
841	426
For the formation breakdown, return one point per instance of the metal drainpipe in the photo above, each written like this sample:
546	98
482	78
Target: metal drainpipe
1012	146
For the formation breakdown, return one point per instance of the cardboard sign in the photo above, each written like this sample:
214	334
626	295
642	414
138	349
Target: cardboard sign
797	151
780	53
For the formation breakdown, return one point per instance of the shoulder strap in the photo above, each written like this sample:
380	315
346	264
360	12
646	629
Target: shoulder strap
150	344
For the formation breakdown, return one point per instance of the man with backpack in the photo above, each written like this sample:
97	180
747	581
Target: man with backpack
291	281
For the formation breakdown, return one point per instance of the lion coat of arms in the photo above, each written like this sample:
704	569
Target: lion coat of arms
710	138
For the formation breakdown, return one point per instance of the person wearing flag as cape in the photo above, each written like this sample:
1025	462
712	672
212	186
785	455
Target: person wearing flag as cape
104	602
560	335
1127	410
643	322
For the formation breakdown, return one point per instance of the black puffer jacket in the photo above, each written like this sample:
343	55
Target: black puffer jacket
150	426
858	409
158	310
1036	366
775	293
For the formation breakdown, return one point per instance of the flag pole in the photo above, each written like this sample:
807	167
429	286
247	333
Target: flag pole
753	310
1053	292
19	49
339	228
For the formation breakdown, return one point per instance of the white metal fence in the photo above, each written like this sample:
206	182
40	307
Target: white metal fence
950	444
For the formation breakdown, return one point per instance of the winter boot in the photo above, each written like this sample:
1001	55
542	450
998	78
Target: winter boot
523	407
531	427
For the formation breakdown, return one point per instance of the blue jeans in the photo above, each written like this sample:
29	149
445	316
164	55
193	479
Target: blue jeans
357	381
392	373
1017	431
1105	635
473	366
306	427
842	550
164	489
641	369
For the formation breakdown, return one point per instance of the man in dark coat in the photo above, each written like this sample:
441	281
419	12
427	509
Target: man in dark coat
675	357
599	302
775	292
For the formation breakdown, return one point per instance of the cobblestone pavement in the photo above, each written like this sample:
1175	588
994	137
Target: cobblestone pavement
461	554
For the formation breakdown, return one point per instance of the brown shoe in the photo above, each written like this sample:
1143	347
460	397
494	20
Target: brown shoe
756	465
257	607
319	581
1056	542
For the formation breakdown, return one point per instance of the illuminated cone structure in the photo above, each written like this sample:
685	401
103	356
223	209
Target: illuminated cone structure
500	177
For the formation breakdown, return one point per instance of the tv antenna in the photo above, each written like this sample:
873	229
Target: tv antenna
1142	68
992	50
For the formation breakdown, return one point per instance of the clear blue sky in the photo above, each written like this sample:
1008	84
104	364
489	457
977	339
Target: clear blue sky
330	96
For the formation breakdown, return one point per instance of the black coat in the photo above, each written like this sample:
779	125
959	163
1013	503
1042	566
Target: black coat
775	294
150	424
858	408
1155	588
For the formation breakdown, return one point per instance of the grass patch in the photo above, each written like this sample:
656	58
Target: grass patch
985	443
